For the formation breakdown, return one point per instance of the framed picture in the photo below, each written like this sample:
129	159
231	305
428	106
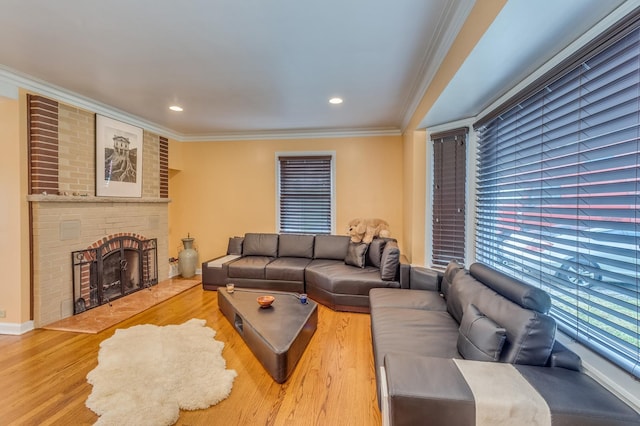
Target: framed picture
118	158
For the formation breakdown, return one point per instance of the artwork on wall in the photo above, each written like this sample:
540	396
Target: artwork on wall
118	158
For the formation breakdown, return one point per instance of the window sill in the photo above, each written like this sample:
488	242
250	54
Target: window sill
616	380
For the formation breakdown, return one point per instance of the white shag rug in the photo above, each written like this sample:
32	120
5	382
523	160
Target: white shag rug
147	373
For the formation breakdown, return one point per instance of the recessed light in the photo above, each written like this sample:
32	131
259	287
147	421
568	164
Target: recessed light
335	101
176	108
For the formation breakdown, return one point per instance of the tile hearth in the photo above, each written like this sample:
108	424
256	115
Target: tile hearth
97	319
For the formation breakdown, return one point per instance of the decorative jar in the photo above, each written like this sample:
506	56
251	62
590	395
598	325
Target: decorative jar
187	258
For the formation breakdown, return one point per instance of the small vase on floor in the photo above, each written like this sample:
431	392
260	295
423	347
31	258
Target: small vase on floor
187	258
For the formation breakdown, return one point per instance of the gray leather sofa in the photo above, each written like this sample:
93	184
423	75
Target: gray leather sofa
434	351
329	268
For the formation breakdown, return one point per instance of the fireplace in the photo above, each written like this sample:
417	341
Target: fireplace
111	268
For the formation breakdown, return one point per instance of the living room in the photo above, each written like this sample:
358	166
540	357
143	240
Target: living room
222	186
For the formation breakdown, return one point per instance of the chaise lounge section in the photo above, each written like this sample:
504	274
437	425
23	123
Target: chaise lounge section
329	268
479	348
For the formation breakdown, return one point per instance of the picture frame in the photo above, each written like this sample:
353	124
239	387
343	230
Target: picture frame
118	158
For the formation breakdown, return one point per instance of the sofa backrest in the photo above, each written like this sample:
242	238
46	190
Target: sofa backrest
525	295
530	334
331	247
296	245
256	244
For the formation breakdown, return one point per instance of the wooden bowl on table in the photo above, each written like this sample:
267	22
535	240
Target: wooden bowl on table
265	301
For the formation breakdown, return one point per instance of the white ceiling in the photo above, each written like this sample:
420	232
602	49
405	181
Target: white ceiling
255	67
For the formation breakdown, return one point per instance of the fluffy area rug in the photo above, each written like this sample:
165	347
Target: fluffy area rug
147	373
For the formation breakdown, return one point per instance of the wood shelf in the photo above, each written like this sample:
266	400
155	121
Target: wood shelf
51	198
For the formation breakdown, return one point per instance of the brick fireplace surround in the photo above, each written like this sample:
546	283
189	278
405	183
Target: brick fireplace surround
62	161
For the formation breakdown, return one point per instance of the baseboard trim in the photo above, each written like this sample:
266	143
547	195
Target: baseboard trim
16	329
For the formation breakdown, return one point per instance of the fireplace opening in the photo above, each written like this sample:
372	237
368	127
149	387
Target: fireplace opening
112	268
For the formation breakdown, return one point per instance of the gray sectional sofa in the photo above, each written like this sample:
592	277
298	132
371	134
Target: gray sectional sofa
475	347
329	268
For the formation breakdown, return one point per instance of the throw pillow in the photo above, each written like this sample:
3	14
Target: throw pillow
390	261
374	254
235	245
452	269
356	254
479	337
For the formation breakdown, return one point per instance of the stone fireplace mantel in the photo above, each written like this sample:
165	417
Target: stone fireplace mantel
41	198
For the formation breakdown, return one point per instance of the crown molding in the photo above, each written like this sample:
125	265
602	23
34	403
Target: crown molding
449	26
11	80
60	94
293	134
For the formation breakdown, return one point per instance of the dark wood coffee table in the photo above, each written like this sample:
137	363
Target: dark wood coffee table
277	335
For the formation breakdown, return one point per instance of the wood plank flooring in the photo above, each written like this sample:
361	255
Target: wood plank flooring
43	373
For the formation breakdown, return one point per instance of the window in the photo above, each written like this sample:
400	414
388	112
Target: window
448	228
559	192
305	194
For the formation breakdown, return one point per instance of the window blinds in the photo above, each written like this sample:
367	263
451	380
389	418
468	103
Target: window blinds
305	194
449	173
558	197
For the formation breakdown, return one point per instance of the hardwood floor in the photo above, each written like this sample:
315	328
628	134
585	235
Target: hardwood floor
42	373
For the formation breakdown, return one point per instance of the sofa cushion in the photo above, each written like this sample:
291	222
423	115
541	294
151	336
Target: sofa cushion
413	331
390	261
530	334
287	269
260	245
330	247
337	278
525	295
235	245
407	299
249	267
479	337
452	269
374	255
295	245
356	254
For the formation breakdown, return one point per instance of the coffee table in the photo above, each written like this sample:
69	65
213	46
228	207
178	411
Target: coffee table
277	335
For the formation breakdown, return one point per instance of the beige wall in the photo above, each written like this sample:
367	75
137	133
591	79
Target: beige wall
478	21
414	146
229	188
14	244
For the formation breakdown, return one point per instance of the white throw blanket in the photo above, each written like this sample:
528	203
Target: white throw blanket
502	396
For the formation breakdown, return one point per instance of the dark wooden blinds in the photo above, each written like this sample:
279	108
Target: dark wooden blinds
305	194
449	174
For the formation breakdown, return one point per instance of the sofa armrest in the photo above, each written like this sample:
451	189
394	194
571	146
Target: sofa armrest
563	357
425	279
214	271
404	272
422	387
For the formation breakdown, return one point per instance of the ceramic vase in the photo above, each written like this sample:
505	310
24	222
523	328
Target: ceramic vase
187	259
